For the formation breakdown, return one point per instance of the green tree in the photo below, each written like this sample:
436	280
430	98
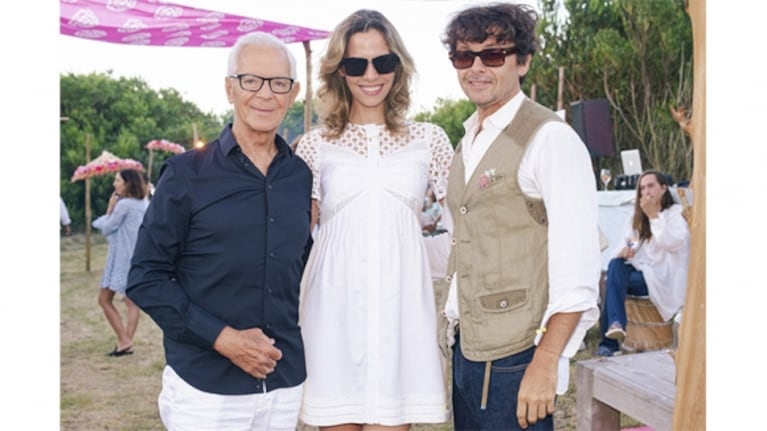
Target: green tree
120	115
293	124
637	54
450	115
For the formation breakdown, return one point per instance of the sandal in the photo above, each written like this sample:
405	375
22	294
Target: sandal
126	351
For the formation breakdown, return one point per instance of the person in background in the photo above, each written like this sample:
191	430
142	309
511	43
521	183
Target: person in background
66	222
367	310
431	213
120	225
220	254
652	261
523	272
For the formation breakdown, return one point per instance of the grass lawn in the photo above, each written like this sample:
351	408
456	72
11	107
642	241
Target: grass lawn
120	393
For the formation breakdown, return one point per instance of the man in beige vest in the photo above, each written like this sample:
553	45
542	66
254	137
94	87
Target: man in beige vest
524	265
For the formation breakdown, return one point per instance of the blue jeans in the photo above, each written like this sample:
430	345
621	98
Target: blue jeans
622	279
501	412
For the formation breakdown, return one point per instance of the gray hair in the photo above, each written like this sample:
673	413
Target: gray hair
259	38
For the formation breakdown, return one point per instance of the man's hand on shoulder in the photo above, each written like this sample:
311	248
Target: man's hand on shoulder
249	349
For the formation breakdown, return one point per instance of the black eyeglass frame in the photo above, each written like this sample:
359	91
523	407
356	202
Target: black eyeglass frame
239	77
383	64
483	56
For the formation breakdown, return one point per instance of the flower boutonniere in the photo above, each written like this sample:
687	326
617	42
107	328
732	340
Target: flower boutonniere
487	179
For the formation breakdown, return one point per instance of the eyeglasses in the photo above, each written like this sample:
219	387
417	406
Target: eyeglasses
355	66
249	82
493	57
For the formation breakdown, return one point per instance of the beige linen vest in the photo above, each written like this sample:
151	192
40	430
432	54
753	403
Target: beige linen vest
499	245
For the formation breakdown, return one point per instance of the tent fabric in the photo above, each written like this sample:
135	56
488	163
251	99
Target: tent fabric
161	23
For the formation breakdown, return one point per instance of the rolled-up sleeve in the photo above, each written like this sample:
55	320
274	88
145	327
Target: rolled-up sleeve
558	165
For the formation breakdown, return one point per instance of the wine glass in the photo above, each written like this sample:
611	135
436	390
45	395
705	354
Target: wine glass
606	176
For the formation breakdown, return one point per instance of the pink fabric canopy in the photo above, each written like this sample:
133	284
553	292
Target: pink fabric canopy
160	23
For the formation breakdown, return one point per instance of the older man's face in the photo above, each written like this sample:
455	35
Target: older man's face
261	111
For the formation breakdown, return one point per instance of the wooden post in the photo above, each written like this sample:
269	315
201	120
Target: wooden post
87	206
149	165
308	97
533	89
690	406
560	88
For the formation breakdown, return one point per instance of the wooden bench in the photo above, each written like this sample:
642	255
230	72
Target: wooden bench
640	385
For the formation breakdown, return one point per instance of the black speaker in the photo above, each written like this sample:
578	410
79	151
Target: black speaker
591	120
626	182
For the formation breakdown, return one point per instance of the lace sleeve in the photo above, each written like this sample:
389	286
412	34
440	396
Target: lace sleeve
307	150
441	157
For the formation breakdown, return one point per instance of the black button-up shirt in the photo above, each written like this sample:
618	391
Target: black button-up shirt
222	244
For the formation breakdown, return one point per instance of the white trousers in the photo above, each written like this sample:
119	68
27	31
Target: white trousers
185	408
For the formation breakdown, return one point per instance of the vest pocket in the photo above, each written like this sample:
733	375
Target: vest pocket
502	302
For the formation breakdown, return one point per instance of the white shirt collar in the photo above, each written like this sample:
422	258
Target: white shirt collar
500	118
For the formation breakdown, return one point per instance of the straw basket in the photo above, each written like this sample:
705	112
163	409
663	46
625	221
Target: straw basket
645	329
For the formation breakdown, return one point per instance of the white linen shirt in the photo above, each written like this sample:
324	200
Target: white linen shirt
663	260
556	168
63	213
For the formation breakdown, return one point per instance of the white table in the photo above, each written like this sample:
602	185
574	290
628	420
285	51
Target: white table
615	207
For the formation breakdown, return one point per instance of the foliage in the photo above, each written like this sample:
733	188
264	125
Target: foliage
293	124
119	115
637	54
450	115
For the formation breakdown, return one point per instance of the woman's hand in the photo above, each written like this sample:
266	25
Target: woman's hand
650	206
627	253
112	202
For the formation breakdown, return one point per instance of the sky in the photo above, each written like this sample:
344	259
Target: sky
197	73
33	53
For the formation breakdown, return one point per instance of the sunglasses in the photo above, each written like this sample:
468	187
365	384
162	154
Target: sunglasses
355	66
493	57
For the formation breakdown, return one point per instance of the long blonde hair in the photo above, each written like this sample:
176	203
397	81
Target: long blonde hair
335	99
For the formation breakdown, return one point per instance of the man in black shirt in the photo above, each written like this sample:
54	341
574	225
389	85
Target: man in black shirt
220	254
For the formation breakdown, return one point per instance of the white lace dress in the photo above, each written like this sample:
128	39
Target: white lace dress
368	316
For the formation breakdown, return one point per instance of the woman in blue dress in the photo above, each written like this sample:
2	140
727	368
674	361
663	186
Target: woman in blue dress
120	227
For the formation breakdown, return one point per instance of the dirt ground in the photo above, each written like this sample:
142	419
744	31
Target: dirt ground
120	393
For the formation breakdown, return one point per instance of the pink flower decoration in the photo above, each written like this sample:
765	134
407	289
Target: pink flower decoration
163	145
106	163
487	178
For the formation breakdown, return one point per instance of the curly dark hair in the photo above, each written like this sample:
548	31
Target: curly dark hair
509	23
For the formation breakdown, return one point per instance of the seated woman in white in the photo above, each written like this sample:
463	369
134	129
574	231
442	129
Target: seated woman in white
652	262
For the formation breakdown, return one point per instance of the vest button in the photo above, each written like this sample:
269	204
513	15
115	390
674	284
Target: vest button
503	304
448	278
463	210
453	241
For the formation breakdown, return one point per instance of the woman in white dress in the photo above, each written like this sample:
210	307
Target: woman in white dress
368	315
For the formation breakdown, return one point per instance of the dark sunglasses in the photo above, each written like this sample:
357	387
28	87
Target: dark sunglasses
493	57
355	66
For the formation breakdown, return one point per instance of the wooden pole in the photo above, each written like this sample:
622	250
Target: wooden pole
308	97
149	165
533	89
560	88
690	402
87	206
